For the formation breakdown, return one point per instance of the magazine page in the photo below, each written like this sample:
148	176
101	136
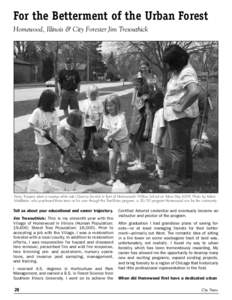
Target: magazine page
112	138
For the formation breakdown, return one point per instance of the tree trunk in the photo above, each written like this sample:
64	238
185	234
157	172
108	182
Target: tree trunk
164	78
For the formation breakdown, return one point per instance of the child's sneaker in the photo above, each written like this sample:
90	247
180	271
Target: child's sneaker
110	182
137	167
134	162
95	153
41	175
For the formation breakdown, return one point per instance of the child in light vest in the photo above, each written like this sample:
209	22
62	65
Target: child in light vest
92	110
114	122
44	120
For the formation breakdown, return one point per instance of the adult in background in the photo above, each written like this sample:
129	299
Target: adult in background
68	87
143	104
141	119
180	111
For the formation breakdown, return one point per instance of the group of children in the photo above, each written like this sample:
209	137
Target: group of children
107	117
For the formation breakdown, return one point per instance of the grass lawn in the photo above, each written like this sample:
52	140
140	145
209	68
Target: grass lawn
205	178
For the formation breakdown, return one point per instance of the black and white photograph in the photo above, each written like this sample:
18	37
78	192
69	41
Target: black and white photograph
115	116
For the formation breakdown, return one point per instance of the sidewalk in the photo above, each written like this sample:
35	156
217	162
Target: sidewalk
28	85
33	92
42	84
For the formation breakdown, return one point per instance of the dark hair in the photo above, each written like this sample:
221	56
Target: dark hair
114	98
176	57
74	119
47	101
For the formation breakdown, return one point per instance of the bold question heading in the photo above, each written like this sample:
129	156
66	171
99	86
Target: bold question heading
117	16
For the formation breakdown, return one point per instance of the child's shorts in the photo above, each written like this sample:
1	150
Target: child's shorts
46	151
121	146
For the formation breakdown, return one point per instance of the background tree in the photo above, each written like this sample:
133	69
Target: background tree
152	52
48	67
58	51
90	53
127	65
112	72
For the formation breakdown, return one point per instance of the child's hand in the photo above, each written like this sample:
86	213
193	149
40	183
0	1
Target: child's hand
43	132
145	134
